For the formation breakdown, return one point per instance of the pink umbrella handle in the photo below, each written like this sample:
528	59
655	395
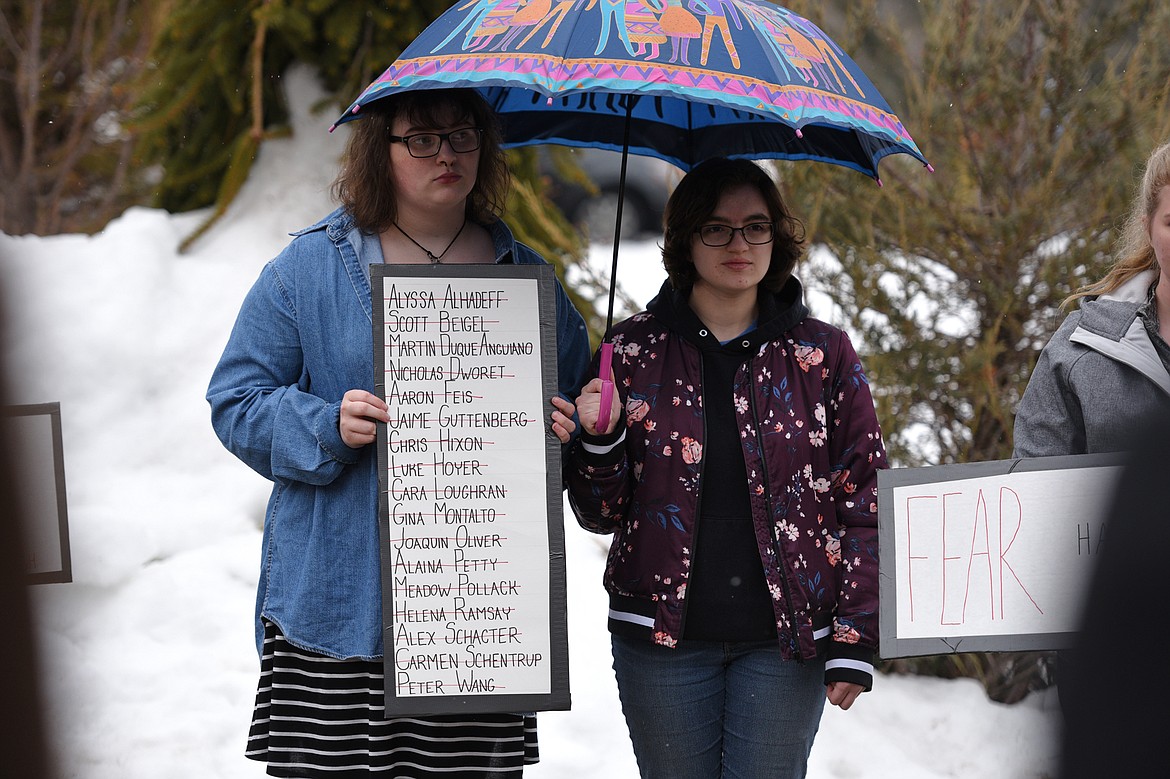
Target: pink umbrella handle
606	387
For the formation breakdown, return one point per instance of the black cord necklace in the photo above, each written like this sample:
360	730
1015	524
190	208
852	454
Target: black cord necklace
435	259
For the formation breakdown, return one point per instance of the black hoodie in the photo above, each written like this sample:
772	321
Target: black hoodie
727	595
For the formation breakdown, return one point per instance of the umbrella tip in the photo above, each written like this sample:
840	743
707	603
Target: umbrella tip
332	127
929	168
356	107
799	134
879	182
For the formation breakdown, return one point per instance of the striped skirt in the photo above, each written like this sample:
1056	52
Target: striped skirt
320	717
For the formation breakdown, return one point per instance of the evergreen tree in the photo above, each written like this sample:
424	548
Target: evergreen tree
1037	117
214	92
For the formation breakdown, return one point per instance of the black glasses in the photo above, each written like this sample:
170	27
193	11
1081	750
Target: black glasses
721	235
428	144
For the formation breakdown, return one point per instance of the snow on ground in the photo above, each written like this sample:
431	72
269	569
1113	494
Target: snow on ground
148	654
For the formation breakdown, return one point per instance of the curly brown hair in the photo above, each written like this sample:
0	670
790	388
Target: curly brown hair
364	186
695	199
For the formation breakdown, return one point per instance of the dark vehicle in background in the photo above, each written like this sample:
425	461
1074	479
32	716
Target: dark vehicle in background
590	201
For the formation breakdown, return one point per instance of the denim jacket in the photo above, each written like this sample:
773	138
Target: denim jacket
303	337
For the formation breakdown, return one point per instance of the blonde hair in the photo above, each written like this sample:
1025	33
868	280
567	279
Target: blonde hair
1135	253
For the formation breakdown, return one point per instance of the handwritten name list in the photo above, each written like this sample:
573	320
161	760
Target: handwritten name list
466	474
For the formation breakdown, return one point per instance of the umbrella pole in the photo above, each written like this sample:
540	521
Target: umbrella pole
606	357
617	230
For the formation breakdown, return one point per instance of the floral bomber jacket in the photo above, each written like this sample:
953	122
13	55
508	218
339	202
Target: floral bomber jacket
812	448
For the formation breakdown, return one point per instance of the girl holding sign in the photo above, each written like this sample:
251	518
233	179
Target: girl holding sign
737	473
1104	377
423	181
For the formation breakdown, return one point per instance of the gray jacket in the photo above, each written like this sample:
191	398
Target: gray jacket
1098	381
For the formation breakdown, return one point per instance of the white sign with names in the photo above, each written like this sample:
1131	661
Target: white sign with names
467	566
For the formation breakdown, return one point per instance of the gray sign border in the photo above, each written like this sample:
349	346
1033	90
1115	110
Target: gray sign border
891	646
60	521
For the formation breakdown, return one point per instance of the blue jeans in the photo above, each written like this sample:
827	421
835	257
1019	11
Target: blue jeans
710	709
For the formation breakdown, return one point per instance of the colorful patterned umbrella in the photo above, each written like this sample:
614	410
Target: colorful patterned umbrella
680	81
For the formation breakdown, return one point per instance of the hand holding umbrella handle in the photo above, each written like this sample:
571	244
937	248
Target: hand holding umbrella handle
603	373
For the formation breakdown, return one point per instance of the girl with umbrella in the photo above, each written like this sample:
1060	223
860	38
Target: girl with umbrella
423	181
738	478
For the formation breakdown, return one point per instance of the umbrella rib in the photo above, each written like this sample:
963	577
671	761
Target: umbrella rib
690	131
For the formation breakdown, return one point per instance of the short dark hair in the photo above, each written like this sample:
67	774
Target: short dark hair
364	186
695	199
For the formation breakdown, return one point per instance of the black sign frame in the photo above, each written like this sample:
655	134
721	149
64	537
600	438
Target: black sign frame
40	481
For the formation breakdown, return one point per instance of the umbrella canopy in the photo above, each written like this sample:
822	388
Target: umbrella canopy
731	78
685	83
